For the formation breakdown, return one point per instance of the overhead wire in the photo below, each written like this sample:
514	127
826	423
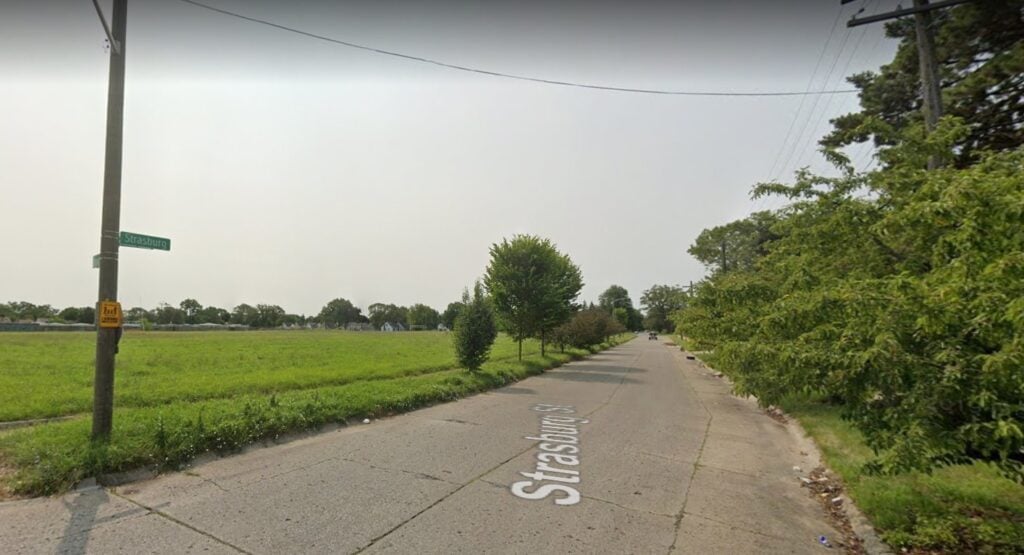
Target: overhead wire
803	99
493	73
814	106
808	151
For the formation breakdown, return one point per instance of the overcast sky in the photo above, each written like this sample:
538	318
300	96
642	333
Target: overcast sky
290	171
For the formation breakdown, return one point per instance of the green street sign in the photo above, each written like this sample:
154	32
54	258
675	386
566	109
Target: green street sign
139	241
95	261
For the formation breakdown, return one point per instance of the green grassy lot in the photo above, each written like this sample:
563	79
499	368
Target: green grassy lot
50	374
965	509
180	394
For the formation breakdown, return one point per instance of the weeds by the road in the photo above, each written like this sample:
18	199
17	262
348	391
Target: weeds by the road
963	509
50	458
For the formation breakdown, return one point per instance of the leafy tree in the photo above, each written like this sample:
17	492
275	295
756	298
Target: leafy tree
475	329
138	314
904	306
736	245
531	285
660	302
980	50
167	314
381	313
562	286
451	314
422	316
213	315
244	314
21	310
268	316
87	315
614	297
617	297
70	314
340	312
191	308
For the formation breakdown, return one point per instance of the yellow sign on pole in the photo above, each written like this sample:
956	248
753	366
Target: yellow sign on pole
110	314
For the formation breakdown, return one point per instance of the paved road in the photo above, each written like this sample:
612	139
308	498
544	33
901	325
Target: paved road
638	450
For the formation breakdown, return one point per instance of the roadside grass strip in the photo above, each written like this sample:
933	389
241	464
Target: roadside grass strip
45	375
960	509
51	458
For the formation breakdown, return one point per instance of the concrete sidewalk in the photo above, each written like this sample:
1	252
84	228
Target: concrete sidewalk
640	451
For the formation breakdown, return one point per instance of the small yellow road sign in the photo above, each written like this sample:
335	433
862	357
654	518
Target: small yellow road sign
110	314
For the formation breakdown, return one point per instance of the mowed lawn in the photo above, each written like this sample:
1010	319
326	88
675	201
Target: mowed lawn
51	374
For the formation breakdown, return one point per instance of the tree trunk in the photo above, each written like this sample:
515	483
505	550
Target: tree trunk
520	348
542	344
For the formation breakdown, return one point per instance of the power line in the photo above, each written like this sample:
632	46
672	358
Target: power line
510	75
808	149
810	84
814	106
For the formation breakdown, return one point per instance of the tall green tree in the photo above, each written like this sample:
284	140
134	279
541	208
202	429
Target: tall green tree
736	245
381	314
244	314
531	285
422	316
191	308
339	312
616	296
660	302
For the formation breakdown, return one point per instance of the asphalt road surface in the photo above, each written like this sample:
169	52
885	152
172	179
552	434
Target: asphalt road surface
636	450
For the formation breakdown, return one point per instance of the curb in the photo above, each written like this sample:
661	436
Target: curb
871	542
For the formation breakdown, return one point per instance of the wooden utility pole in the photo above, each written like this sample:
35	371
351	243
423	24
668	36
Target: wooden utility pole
931	90
110	227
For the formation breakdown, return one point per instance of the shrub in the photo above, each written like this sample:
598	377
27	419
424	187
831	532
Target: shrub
475	330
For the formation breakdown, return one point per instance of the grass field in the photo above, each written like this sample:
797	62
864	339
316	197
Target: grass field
180	394
50	374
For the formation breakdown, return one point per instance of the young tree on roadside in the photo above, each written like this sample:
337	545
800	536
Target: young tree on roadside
531	285
475	329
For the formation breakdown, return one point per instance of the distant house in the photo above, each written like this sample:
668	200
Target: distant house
358	326
392	326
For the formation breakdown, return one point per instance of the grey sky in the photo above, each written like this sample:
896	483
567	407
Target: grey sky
292	171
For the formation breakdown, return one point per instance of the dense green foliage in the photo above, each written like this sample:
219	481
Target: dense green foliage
660	302
616	301
340	312
899	295
587	328
532	286
422	317
475	329
959	509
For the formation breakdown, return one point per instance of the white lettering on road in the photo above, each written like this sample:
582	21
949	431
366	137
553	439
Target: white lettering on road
559	444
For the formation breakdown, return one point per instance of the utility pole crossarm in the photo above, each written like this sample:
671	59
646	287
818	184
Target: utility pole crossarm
114	45
900	13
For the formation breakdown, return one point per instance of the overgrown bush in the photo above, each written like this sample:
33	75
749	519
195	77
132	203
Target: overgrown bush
587	328
905	305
